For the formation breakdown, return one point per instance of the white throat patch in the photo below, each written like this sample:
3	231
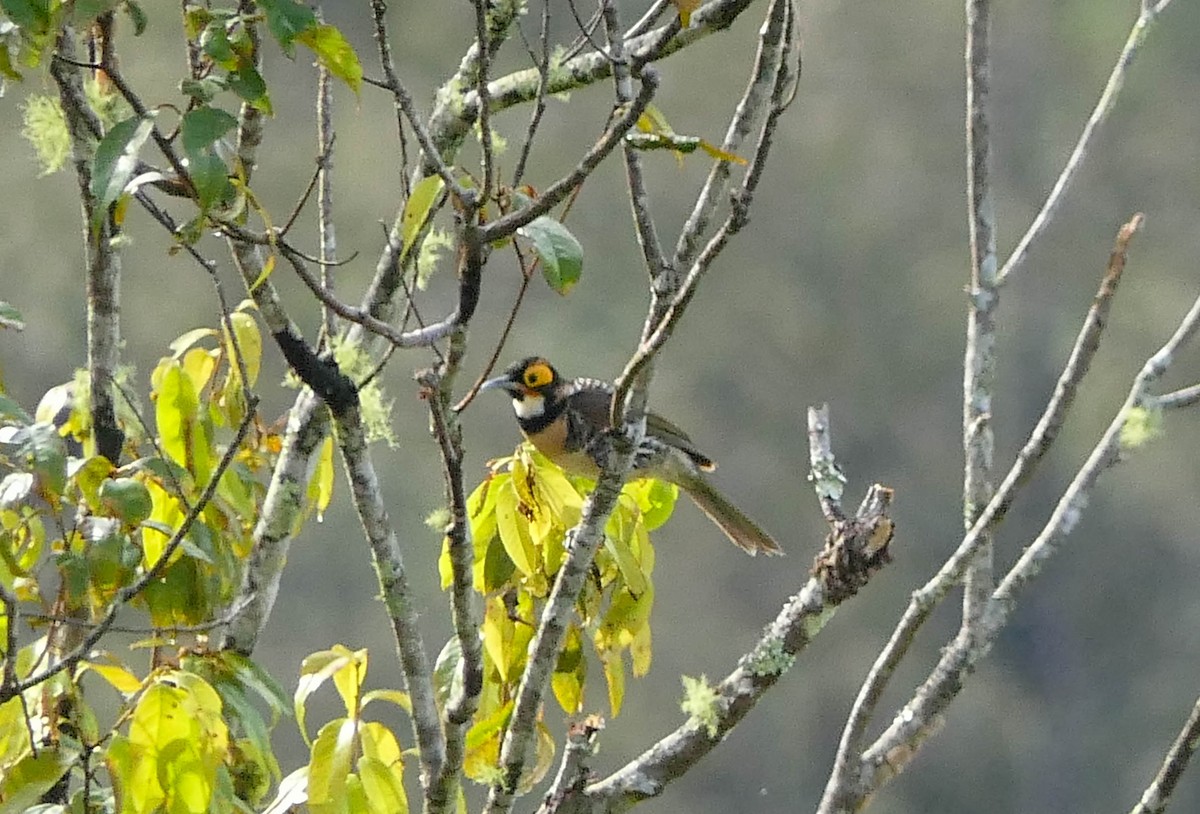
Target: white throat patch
531	406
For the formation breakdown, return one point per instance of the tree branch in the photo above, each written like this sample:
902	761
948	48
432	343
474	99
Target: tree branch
979	366
896	747
1108	101
1175	762
855	549
934	592
394	590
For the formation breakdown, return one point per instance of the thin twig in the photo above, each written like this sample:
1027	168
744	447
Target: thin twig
542	62
1100	114
1040	440
621	124
1158	793
484	115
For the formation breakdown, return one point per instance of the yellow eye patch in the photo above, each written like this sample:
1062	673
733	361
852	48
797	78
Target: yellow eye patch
538	374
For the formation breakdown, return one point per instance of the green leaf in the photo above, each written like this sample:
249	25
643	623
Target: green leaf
137	16
446	674
210	177
514	532
10	317
116	161
23	783
254	677
249	85
287	19
425	194
203	126
12	412
126	499
203	90
559	251
31	15
177	413
382	785
334	52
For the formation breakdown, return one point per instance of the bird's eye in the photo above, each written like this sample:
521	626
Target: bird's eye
538	375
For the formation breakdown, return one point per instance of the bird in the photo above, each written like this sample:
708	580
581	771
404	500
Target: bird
563	418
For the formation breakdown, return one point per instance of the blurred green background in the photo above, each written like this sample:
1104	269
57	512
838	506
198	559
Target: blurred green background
847	287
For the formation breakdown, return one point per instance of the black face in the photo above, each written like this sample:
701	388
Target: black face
531	376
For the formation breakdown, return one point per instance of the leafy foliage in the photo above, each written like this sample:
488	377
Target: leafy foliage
520	515
75	531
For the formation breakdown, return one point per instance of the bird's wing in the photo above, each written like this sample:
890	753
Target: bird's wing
664	430
593	398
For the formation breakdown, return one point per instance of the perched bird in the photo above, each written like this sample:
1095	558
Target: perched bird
564	417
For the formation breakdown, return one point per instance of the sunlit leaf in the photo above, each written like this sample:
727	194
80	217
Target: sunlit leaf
334	52
614	674
329	762
382	785
514	532
425	194
570	672
249	345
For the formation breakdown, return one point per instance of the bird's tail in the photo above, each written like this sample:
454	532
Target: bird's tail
740	529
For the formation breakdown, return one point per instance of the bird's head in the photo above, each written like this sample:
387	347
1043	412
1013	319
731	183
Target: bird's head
530	382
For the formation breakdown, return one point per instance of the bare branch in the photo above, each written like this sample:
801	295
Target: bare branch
930	595
979	366
394	589
663	320
921	715
1108	101
1175	762
771	48
461	706
854	550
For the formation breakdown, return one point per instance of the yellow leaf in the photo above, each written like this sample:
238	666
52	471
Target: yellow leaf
686	7
640	651
614	673
249	342
570	672
320	485
268	267
722	155
654	122
116	675
514	530
199	365
482	744
383	786
329	762
424	195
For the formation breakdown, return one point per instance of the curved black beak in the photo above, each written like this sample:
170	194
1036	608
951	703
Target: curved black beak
503	383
